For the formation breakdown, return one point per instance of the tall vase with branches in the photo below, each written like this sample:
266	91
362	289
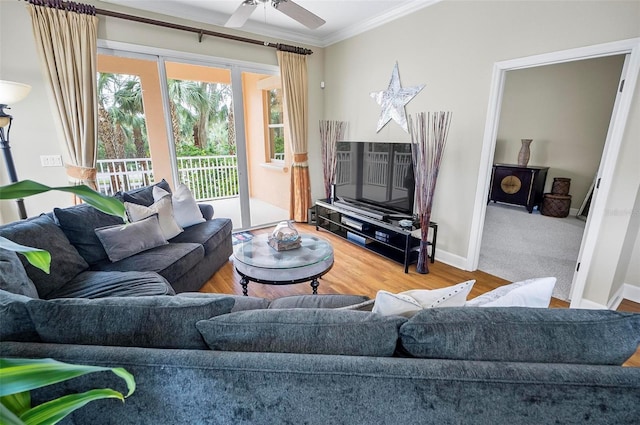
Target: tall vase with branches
428	136
330	133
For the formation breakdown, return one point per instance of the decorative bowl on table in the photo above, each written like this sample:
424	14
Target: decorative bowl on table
284	237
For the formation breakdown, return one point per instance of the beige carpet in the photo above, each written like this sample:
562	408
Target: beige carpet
517	245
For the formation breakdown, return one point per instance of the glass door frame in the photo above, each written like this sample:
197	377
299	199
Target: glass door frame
161	56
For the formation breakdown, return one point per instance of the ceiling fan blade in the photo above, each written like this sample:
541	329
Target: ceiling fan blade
241	14
298	13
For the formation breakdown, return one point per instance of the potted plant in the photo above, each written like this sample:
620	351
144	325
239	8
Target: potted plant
19	376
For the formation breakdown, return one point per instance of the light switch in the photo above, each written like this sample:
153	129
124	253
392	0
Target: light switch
51	160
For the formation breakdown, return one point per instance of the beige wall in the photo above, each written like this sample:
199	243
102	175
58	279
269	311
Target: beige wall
565	108
452	47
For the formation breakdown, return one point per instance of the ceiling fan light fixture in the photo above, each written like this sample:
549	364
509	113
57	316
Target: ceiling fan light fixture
288	7
241	14
298	13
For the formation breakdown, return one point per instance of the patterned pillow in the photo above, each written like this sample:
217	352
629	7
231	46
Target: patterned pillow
410	302
527	293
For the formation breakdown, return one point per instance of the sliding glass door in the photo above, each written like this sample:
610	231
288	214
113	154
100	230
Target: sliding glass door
215	129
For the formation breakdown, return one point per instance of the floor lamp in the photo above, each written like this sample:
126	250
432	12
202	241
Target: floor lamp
10	93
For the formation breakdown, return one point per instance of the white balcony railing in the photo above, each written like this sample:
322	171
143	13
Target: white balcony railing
208	177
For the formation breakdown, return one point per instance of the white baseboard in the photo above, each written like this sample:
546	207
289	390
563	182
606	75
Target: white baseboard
592	305
451	259
631	292
626	291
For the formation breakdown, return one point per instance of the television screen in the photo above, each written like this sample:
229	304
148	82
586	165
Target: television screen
376	174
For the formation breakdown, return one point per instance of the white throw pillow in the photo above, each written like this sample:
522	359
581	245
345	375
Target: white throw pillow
185	208
164	210
527	293
410	302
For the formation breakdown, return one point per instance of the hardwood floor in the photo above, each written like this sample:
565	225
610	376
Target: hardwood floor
358	271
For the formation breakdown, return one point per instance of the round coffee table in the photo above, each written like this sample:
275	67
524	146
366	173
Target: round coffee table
256	261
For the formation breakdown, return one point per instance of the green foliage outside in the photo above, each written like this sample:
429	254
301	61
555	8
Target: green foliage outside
201	115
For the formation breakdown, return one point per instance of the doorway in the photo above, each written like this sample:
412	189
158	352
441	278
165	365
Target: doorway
565	109
607	165
203	124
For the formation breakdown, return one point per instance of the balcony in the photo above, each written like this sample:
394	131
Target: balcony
211	179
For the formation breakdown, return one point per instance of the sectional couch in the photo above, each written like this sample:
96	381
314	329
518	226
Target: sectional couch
218	359
117	260
317	359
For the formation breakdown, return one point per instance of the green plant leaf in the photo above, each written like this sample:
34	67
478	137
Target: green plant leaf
7	417
18	403
36	257
53	411
25	188
18	375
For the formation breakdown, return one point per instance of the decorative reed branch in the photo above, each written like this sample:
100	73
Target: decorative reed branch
428	136
330	133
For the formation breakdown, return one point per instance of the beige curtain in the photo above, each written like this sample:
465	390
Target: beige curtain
293	72
66	38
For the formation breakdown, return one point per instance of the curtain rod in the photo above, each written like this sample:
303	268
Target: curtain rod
201	32
82	8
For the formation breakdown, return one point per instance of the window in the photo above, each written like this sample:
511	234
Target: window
274	125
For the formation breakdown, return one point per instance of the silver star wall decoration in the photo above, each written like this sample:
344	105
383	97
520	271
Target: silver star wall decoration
393	100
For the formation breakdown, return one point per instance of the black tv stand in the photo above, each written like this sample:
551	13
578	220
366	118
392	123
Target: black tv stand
383	236
360	209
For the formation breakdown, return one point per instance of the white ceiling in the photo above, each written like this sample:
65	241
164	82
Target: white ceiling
344	18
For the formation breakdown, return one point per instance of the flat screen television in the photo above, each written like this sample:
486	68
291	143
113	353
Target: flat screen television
376	175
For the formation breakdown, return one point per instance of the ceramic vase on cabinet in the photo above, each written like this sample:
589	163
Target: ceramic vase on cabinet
525	152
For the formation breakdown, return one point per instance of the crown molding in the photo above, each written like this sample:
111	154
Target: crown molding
197	14
377	21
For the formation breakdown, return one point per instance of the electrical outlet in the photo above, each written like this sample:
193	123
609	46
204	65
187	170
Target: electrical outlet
51	160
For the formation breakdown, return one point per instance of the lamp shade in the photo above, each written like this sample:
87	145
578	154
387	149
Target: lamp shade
11	92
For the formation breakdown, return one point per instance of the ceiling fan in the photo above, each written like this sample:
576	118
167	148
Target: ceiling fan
288	7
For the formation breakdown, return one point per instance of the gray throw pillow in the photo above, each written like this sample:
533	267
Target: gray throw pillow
15	321
124	240
522	334
147	321
317	301
144	195
13	277
303	331
41	232
241	302
78	223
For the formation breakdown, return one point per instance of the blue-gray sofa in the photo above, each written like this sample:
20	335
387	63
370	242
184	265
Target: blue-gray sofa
82	267
218	359
317	359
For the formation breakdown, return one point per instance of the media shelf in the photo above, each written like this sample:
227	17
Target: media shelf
384	237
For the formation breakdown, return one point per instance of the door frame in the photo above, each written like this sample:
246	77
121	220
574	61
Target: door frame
610	153
236	68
